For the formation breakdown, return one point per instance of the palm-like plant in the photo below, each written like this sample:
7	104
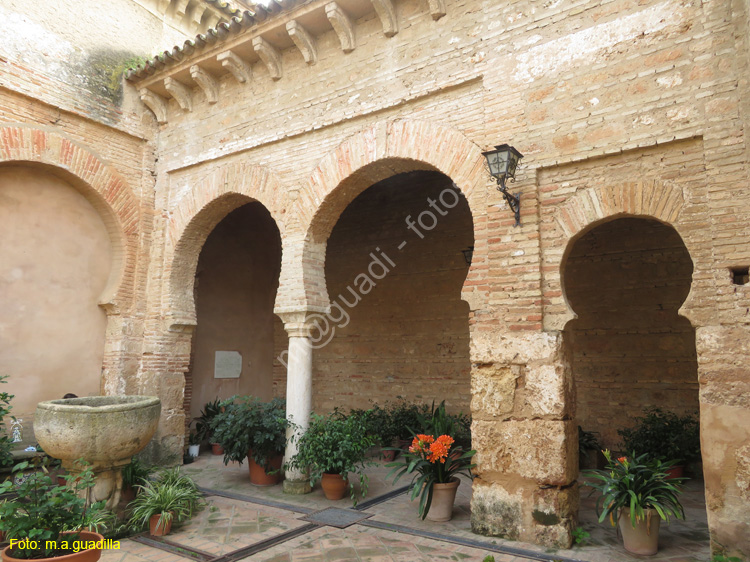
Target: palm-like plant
637	483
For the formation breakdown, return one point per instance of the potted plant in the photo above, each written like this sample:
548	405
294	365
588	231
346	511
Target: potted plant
194	444
256	430
665	435
589	449
203	425
133	474
333	447
6	445
172	497
636	495
435	460
56	520
406	418
379	423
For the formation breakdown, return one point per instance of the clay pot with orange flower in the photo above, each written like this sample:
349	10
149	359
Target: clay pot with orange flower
434	462
333	448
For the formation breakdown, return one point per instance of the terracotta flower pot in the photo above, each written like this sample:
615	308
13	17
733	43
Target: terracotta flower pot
90	555
334	486
644	537
127	495
217	449
675	472
258	475
157	530
443	498
388	456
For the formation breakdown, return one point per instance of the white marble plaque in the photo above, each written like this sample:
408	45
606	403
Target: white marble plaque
227	365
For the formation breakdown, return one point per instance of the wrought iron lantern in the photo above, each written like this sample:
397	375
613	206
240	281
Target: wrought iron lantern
503	162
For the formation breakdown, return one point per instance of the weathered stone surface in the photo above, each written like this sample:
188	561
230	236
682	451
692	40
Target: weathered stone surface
538	450
493	389
495	511
546	391
513	348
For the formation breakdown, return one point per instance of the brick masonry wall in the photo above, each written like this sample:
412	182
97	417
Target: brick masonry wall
620	107
408	334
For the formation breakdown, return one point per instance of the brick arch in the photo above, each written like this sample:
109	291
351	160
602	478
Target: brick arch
198	213
586	209
101	184
376	153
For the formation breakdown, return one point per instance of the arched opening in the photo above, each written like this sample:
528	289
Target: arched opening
394	268
629	349
236	280
56	256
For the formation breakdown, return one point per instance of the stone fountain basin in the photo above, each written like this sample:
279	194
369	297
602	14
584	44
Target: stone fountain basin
103	430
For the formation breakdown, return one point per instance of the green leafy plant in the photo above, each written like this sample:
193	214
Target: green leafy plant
249	424
379	423
580	535
203	422
725	558
173	496
587	441
407	417
6	459
135	473
431	460
665	435
637	483
335	444
488	558
42	511
437	421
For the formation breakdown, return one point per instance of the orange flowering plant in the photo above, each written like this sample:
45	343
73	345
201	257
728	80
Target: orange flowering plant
431	460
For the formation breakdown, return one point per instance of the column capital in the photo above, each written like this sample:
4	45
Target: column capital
299	322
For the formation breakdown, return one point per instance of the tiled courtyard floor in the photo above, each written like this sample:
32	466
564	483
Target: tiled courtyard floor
264	524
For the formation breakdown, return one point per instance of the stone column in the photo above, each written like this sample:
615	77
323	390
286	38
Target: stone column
298	395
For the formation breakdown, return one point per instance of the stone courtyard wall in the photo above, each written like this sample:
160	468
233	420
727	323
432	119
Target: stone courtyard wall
621	109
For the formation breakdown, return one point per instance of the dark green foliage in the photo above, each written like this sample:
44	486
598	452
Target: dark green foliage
42	510
135	473
664	435
6	459
173	496
587	441
406	417
335	444
436	422
203	422
638	482
580	536
247	423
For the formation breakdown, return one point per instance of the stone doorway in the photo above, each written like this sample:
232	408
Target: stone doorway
398	325
236	335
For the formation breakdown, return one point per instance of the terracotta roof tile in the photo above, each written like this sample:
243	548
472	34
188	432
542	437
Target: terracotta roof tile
239	20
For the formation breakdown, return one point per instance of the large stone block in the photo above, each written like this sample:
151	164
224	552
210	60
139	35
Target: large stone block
514	348
539	450
520	510
493	389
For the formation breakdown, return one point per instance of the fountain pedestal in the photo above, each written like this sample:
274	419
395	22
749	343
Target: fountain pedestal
104	431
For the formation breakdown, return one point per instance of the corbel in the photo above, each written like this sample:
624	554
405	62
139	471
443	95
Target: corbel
303	40
207	83
156	103
239	68
387	14
269	55
437	9
342	25
180	92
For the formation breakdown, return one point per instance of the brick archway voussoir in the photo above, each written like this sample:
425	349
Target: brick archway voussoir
117	204
653	198
647	198
196	215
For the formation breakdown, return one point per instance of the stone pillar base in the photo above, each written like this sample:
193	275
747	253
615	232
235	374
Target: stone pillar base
296	487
